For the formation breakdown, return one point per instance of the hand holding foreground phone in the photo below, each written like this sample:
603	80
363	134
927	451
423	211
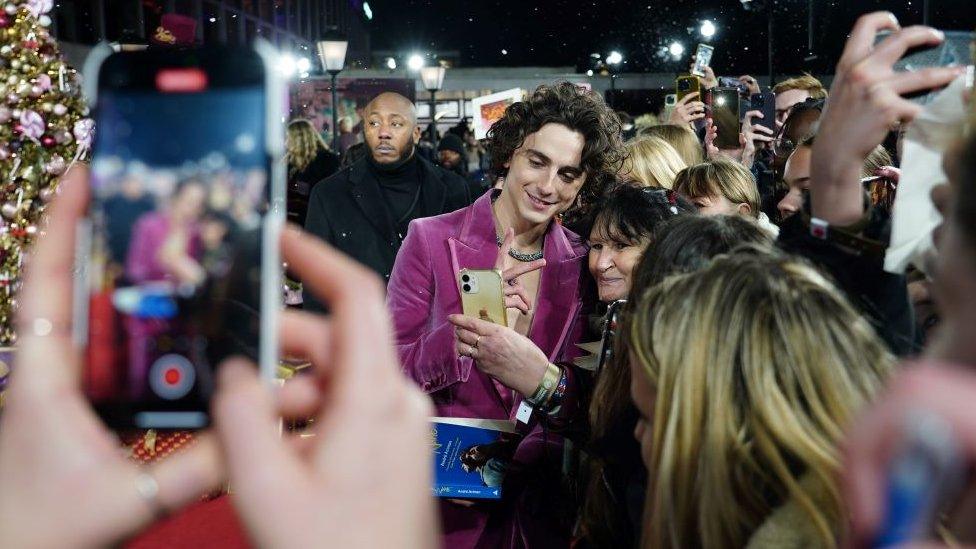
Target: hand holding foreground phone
65	481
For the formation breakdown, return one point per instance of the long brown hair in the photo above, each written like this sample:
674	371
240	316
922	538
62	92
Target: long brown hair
303	145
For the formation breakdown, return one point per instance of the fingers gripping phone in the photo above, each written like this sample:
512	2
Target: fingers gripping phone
179	255
482	295
765	103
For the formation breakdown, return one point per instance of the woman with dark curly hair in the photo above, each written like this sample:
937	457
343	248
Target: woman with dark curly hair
554	151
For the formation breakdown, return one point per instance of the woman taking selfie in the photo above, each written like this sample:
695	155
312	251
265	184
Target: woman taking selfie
553	152
740	437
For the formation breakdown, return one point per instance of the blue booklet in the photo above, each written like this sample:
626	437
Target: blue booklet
471	456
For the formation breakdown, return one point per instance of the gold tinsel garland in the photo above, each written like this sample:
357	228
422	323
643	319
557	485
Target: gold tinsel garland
43	129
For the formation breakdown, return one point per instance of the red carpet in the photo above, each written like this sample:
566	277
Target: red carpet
207	524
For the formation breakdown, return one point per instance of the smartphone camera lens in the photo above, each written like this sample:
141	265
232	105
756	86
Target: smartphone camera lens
465	278
466	287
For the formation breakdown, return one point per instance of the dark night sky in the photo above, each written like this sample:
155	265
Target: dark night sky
565	32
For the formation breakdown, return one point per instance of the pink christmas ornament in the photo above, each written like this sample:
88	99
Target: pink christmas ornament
33	124
38	7
83	132
44	82
56	165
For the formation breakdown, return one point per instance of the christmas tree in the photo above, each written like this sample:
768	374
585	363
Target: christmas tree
43	129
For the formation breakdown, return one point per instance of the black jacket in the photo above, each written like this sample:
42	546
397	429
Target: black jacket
348	211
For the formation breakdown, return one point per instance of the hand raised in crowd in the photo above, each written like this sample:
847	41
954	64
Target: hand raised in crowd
709	81
515	295
945	391
750	83
65	480
687	110
500	352
364	478
866	102
754	136
711	132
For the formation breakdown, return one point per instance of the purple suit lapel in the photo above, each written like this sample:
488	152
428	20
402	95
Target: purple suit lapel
558	302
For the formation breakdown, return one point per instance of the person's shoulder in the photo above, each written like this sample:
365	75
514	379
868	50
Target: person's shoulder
330	184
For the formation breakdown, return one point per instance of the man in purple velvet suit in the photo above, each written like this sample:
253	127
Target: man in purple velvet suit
552	153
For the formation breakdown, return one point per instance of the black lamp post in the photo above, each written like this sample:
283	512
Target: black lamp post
433	79
332	53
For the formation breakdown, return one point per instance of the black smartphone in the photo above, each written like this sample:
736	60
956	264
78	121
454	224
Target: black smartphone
178	257
723	105
765	103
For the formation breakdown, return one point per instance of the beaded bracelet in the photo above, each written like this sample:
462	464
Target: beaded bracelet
556	400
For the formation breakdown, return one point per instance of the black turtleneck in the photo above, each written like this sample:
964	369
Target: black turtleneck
400	183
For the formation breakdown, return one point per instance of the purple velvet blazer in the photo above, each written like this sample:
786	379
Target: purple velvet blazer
422	292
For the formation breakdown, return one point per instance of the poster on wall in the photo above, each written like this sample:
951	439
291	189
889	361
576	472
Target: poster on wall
312	100
489	108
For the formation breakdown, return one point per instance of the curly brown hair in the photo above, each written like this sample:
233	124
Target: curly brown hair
579	110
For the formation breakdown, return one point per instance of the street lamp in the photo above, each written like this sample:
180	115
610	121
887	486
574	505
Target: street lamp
415	62
676	49
614	59
707	29
433	79
332	53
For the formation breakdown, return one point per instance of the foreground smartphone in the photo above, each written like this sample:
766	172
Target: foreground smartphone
179	254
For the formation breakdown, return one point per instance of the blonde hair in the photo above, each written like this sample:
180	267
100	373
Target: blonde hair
651	162
682	139
720	177
758	365
303	145
806	83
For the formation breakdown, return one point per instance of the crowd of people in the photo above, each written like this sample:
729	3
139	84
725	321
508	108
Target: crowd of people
763	377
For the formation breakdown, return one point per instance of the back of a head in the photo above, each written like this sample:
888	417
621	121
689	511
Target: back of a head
758	366
720	177
303	143
806	83
652	161
688	243
685	142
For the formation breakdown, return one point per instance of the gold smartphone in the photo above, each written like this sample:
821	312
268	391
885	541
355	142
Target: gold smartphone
482	295
687	84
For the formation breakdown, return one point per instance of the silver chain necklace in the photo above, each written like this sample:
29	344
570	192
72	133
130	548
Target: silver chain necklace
520	256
